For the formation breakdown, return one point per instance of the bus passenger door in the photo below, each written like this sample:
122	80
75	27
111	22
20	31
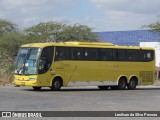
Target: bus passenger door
45	65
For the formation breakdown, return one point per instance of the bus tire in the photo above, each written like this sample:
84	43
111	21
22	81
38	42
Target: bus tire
103	87
37	88
56	84
122	83
132	84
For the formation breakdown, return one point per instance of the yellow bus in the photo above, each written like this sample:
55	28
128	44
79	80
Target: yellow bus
105	65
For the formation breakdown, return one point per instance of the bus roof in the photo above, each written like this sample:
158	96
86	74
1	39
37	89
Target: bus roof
84	44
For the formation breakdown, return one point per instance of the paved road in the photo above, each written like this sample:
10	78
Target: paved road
79	99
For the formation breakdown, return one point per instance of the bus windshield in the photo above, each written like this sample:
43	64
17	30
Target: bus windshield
26	63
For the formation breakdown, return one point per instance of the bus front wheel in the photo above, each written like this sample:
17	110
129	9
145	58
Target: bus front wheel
56	84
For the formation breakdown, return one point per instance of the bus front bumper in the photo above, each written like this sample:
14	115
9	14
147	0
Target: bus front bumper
25	80
25	83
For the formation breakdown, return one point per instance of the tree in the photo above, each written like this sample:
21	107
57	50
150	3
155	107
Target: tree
45	32
10	39
155	27
10	43
57	32
79	32
6	26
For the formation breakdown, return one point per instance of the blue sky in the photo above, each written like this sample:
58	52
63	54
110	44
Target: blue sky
101	15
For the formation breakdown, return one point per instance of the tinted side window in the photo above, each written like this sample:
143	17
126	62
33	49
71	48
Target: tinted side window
132	55
114	54
146	55
62	53
91	54
149	55
105	54
76	53
121	55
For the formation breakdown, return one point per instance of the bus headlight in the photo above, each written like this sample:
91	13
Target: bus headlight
31	79
16	79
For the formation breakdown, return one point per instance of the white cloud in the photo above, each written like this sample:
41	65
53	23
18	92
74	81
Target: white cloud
126	14
106	15
11	4
135	6
29	12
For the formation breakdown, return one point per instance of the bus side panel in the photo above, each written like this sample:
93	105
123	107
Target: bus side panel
81	73
127	69
91	71
142	70
107	71
44	79
74	71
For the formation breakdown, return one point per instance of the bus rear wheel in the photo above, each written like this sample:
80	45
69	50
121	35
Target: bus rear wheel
132	84
103	87
56	84
122	83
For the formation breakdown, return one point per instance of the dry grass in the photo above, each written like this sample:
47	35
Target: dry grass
6	75
6	79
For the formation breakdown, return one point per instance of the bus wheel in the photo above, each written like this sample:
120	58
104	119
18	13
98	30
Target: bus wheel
103	87
122	83
37	88
56	84
132	84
